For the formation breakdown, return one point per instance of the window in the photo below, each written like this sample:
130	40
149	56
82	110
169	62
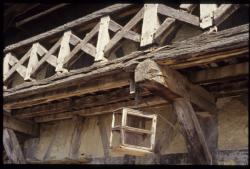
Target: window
133	132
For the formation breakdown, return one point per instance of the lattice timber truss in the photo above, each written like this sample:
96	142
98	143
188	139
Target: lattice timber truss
143	29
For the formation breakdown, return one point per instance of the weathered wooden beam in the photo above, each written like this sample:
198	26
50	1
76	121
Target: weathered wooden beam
190	128
64	51
150	24
12	147
19	23
220	73
103	109
170	84
179	15
194	51
97	14
33	60
61	161
103	38
101	84
207	14
25	127
76	137
223	12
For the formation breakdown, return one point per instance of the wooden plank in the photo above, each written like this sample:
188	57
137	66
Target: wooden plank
131	35
188	7
133	129
33	60
25	127
52	59
170	84
223	12
12	147
67	60
192	132
103	38
97	14
220	73
63	51
119	35
207	14
150	24
179	15
76	137
6	65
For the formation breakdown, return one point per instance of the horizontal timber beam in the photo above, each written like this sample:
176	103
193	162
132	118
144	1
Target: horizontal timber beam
150	101
25	127
205	48
220	73
170	84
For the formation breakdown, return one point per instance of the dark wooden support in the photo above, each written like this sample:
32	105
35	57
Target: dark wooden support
171	85
12	147
192	132
25	127
76	137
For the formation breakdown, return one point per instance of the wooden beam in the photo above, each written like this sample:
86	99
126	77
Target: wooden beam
220	73
103	109
207	14
25	127
33	60
170	84
19	23
76	137
12	147
100	84
192	132
103	38
223	12
150	24
61	161
97	14
64	51
179	15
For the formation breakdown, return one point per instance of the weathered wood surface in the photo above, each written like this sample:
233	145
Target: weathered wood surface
25	127
150	101
223	12
220	73
76	137
98	14
179	15
192	132
62	161
170	84
12	147
205	48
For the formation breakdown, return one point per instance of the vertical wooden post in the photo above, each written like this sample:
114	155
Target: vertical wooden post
103	38
190	128
12	147
150	24
6	66
33	60
76	137
63	52
207	14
